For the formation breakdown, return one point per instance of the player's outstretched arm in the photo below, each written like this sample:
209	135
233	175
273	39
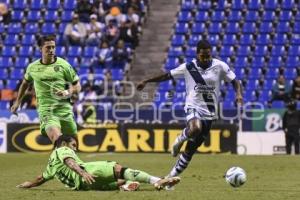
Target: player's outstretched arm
160	78
238	90
71	163
74	89
29	184
23	87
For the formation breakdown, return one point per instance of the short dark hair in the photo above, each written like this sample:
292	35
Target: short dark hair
203	44
64	138
45	38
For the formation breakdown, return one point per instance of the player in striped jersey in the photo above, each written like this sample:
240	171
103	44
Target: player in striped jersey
203	77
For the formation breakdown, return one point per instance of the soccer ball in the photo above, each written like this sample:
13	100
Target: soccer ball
235	176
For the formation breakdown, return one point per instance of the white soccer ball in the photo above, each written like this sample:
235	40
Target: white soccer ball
235	176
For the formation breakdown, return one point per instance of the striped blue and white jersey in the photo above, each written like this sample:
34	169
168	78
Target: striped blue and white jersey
203	85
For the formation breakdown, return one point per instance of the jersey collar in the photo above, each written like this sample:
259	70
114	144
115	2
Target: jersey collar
55	59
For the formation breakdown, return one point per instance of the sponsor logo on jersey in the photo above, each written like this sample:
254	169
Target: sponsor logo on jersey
204	88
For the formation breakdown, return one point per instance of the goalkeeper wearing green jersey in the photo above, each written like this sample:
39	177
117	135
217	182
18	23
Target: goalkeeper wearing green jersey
55	81
67	167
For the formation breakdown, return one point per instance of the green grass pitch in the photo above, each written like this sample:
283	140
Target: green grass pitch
269	178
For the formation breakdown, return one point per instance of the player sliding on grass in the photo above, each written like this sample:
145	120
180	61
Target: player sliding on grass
55	81
66	166
202	78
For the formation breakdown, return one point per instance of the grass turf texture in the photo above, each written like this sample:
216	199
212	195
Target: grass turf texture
269	177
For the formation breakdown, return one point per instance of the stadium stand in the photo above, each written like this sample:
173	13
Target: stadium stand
32	18
256	38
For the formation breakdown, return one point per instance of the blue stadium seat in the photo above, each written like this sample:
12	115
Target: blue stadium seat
48	28
271	4
275	62
74	51
184	16
201	17
232	28
28	40
254	5
295	40
8	51
11	40
239	72
266	27
252	15
278	104
258	62
12	84
241	62
86	62
249	95
17	15
5	62
34	16
1	85
297	27
194	39
214	39
4	105
26	51
228	104
198	28
292	62
3	73
36	5
190	53
20	4
229	39
69	4
235	16
53	5
14	28
294	51
73	61
17	73
243	51
89	51
255	72
249	27
285	15
21	62
181	28
178	40
31	28
268	16
280	39
288	4
83	71
51	16
264	96
117	74
215	28
272	74
187	5
175	52
268	84
260	50
238	5
60	51
263	39
290	73
277	51
217	16
204	5
226	50
283	27
246	39
171	63
62	28
66	16
37	53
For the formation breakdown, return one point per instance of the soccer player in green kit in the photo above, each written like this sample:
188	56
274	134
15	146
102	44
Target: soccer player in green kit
67	167
55	81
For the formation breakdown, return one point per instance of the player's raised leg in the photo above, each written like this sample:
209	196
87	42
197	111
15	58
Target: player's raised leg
129	174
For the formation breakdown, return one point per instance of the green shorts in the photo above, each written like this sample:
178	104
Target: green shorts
104	172
63	119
